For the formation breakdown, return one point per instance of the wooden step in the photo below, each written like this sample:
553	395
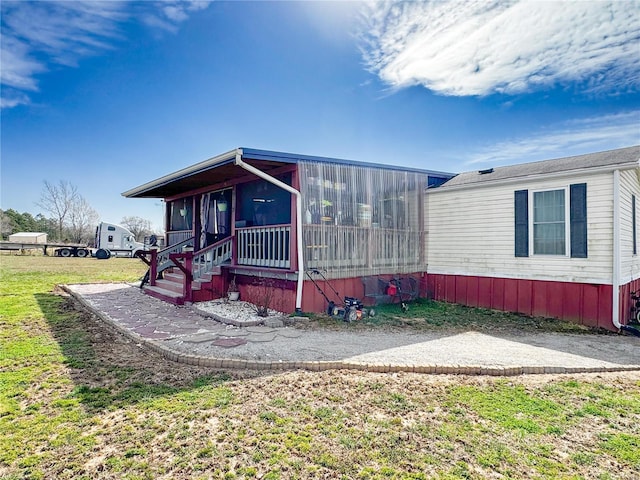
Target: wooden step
170	285
165	295
214	272
176	277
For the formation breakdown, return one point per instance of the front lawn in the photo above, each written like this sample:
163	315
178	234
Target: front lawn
79	402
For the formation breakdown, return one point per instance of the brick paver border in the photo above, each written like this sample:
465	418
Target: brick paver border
321	365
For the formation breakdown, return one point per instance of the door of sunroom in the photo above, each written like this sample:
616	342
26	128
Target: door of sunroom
215	217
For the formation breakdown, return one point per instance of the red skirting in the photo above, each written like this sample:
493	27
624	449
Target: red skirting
583	303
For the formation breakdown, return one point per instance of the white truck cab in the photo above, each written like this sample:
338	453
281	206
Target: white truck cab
115	240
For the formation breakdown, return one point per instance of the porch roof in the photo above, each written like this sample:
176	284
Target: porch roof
222	168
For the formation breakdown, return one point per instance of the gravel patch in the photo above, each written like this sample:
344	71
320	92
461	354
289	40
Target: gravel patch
239	313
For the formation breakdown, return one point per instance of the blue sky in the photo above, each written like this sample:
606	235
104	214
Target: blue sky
109	95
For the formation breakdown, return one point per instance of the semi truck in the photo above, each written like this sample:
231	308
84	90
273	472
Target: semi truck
114	240
110	240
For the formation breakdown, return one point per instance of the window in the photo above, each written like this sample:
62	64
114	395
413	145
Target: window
263	203
546	225
180	214
549	226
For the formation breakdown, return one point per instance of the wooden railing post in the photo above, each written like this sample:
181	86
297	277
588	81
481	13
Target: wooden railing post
153	268
188	276
234	248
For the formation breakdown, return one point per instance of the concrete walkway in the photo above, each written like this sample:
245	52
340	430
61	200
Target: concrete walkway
182	334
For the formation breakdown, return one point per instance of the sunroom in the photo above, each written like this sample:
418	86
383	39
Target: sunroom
269	220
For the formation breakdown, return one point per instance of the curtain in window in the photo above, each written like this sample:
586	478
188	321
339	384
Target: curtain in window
205	207
549	222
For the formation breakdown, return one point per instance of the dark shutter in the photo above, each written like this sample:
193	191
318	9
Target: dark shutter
633	224
578	219
522	223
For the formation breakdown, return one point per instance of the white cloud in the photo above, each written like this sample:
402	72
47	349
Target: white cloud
465	47
569	138
168	14
12	98
36	36
17	65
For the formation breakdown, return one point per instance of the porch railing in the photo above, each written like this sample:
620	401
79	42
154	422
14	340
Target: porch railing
212	256
340	248
264	246
178	236
163	260
159	260
395	247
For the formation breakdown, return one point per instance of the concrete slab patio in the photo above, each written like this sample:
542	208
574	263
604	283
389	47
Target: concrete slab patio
184	334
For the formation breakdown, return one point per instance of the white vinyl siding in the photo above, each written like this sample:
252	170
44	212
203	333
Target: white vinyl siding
630	263
471	232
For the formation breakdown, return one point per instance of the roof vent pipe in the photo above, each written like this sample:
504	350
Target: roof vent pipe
615	311
290	189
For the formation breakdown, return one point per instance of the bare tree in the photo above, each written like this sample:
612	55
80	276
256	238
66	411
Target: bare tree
82	220
6	225
138	226
57	200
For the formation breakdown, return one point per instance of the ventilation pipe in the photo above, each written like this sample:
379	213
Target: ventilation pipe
290	189
615	314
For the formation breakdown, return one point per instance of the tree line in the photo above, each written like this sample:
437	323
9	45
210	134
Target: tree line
67	217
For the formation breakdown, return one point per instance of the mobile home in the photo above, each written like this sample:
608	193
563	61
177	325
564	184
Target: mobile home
556	238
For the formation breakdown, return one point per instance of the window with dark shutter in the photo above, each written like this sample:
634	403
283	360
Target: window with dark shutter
522	223
578	219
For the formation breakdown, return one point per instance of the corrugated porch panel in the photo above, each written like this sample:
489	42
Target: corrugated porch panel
587	304
362	221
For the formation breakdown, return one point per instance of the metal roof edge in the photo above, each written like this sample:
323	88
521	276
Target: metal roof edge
257	154
518	179
185	172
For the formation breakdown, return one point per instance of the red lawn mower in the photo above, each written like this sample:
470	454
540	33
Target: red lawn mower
351	308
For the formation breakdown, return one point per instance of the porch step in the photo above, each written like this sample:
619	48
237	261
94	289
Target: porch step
213	272
174	280
164	295
173	276
170	285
